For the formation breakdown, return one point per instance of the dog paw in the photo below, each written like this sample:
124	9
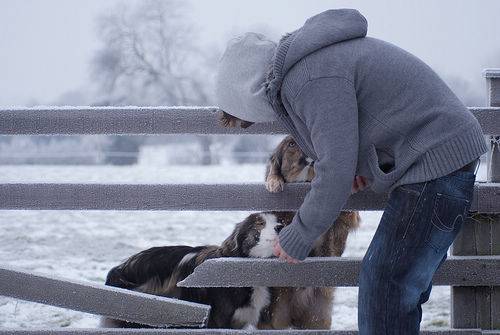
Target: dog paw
275	184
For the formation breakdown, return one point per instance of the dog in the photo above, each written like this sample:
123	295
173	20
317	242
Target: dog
303	307
309	307
158	270
288	164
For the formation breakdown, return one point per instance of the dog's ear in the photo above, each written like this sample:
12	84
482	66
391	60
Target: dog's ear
273	167
274	178
231	244
229	121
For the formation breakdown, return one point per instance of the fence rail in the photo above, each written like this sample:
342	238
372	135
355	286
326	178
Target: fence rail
101	300
204	197
329	271
152	121
219	332
121	120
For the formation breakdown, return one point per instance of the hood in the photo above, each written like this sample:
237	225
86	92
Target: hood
252	68
240	85
329	27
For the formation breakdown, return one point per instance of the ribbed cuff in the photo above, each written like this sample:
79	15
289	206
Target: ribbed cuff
293	243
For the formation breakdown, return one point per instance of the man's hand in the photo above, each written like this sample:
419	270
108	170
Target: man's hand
280	253
358	184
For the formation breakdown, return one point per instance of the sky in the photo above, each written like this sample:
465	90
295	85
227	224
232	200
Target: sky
46	46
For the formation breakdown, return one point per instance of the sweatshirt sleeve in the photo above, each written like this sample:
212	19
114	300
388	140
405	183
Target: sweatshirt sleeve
328	107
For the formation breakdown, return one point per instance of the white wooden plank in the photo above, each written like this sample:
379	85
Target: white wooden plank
151	120
204	197
214	332
120	120
101	300
328	271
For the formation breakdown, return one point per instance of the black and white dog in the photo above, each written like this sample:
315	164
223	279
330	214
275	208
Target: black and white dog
159	269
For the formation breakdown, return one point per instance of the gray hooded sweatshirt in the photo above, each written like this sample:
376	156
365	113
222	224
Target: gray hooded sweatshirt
356	105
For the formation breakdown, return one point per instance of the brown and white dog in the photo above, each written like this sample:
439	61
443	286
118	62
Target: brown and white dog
308	307
158	270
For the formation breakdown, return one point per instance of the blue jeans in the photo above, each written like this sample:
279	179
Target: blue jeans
418	226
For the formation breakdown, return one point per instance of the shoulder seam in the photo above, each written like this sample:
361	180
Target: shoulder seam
318	78
307	75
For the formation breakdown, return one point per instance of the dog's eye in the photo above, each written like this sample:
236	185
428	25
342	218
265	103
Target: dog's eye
291	144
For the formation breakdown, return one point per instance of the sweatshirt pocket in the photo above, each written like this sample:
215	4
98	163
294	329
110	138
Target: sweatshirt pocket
382	181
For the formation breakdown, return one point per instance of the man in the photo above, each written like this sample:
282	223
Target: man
360	106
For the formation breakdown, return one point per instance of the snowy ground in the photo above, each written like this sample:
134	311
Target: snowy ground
83	245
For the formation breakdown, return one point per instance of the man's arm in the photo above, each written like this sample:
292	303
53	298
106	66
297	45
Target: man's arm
328	106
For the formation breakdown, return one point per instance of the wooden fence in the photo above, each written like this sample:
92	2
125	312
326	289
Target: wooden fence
473	270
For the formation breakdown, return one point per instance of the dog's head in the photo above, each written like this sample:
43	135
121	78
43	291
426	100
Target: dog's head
229	121
290	162
255	236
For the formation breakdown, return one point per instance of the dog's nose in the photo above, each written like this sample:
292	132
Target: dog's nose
278	228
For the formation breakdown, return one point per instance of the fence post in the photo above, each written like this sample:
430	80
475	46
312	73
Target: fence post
493	94
479	307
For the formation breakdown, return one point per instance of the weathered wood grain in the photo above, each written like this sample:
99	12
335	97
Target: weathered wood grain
101	300
328	271
203	197
150	121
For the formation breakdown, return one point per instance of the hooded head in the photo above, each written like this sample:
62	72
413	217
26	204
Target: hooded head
240	87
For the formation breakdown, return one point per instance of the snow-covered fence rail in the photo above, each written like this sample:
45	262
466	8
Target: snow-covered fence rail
218	332
201	197
120	120
329	271
150	121
473	270
84	297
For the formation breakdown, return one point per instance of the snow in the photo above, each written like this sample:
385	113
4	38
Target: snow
84	245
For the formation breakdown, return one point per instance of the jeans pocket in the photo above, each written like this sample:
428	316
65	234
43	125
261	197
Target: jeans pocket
447	218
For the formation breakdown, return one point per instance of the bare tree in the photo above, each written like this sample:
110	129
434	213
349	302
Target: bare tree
150	56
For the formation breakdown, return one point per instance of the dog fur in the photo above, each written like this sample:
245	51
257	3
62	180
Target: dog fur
158	270
304	307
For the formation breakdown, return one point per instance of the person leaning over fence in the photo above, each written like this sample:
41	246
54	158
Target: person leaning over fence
364	110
